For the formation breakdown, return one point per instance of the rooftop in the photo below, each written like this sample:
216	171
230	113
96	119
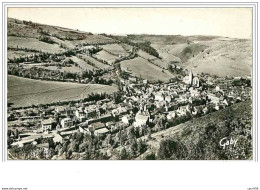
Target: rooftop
47	122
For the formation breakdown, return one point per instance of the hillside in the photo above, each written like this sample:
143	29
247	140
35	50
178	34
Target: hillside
140	67
215	55
224	58
26	92
199	138
46	38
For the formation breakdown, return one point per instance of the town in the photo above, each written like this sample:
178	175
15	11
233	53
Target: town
139	108
77	95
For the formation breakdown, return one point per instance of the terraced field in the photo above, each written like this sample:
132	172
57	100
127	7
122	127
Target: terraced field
103	55
141	67
82	63
33	43
26	92
16	54
95	62
153	59
114	48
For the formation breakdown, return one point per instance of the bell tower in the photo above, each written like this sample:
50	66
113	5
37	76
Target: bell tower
190	77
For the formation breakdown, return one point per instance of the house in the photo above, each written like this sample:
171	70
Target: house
141	119
64	111
126	119
217	107
66	122
205	110
214	99
83	128
119	111
194	111
194	92
23	142
189	108
168	99
221	88
159	96
181	111
60	109
47	125
58	138
80	114
197	110
132	79
102	131
105	118
96	126
67	133
91	112
171	115
225	102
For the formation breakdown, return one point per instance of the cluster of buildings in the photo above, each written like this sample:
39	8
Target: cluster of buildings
141	103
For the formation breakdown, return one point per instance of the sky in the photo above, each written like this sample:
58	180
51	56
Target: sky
226	22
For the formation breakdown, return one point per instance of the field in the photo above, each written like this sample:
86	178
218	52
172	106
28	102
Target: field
160	39
16	54
95	62
153	59
126	46
145	55
141	67
94	39
35	30
72	68
25	92
160	63
103	55
179	52
82	63
33	43
114	49
65	43
39	65
221	56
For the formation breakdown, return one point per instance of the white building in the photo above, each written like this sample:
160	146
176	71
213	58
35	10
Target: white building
159	96
66	122
126	119
81	115
141	119
171	115
47	125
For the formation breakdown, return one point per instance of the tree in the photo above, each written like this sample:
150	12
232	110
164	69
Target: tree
68	154
16	133
149	133
74	146
108	140
123	154
141	146
83	146
171	149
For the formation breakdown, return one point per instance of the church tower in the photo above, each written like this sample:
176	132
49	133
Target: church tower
190	77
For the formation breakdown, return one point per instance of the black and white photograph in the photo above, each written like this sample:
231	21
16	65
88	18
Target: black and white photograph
128	87
129	95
